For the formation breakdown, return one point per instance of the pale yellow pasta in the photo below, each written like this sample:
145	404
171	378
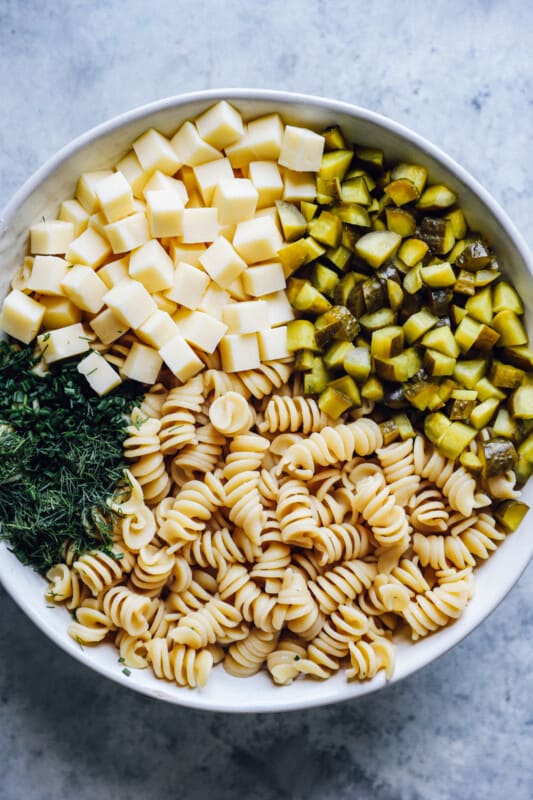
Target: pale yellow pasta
293	414
397	462
246	657
427	511
241	472
99	570
200	628
342	583
178	420
368	658
386	518
435	608
231	414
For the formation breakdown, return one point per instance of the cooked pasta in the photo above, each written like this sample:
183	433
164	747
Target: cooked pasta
293	414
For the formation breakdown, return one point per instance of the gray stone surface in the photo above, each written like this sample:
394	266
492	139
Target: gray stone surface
459	73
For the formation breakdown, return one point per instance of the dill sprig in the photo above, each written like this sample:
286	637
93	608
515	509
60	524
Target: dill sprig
61	457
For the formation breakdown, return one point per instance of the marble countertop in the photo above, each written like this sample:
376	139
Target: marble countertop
458	73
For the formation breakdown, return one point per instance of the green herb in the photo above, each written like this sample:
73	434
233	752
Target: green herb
126	672
61	457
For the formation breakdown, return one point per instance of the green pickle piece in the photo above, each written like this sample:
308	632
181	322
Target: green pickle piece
293	223
326	229
376	247
436	197
357	363
316	380
497	456
301	336
510	514
333	403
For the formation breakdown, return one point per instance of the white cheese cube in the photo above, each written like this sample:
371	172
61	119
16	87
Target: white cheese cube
199	225
130	302
154	151
266	178
164	303
46	274
181	359
86	189
187	176
222	263
266	136
239	352
301	149
195	200
189	285
187	252
98	222
214	301
128	233
236	289
114	271
107	326
73	211
209	174
164	209
152	266
21	316
190	148
64	342
220	125
131	168
273	343
298	186
139	205
235	199
246	317
82	285
241	152
280	310
158	329
142	364
159	182
88	248
51	238
115	196
227	231
264	279
59	312
199	329
257	239
100	375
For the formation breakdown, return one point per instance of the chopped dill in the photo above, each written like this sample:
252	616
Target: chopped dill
127	672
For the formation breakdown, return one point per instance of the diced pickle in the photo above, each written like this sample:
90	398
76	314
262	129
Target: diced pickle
521	402
504	425
387	342
497	456
480	306
437	364
470	461
484	412
399	368
456	439
437	233
314	248
373	294
293	223
420	393
412	251
402	191
400	221
510	326
348	387
333	403
505	375
316	380
355	190
301	336
326	229
303	296
371	157
394	294
419	324
357	363
443	340
510	514
389	431
436	197
372	390
337	323
461	409
404	426
435	426
469	373
486	389
336	353
335	163
474	256
412	282
324	279
483	277
465	283
303	360
344	287
520	356
458	221
308	209
506	298
352	214
293	256
415	173
333	139
376	247
378	319
438	275
339	256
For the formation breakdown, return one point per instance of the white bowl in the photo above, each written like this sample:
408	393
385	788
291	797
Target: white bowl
101	147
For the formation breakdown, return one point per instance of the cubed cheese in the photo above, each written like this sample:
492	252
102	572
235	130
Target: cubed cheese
51	238
214	301
279	309
82	285
273	343
236	289
73	211
189	285
128	233
222	262
199	225
164	303
59	312
159	182
266	178
298	186
181	359
158	329
239	352
264	279
187	252
142	364
241	152
107	326
88	248
46	274
209	174
21	316
164	209
130	302
86	189
115	196
154	151
220	125
246	317
114	271
100	375
200	329
190	148
235	199
131	168
266	135
64	342
152	266
257	239
98	222
301	149
189	181
195	200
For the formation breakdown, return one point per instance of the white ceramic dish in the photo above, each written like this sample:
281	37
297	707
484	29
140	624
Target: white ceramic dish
102	147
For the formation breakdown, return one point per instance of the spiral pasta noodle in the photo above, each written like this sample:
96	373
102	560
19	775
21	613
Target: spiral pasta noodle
178	416
386	518
293	414
397	462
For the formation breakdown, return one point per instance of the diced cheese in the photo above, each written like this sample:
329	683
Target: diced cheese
222	263
227	231
142	364
21	316
195	200
181	359
88	248
214	301
152	266
189	285
273	343
280	310
159	181
187	252
158	329
131	168
189	181
64	342
266	178
73	211
257	239
114	271
266	136
154	151
107	326
298	186
139	205
51	238
209	174
190	148
264	279
220	125
116	196
46	275
199	225
200	329
239	352
130	302
128	233
82	285
301	149
236	289
246	317
235	199
59	312
164	209
86	189
100	375
241	152
164	303
98	222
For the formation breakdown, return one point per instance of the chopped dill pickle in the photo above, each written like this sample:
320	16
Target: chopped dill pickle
335	164
333	402
308	209
399	368
484	412
521	357
293	256
510	326
389	431
441	339
480	306
355	190
420	393
521	402
504	425
486	389
437	364
465	283
348	387
378	319
376	247
469	373
456	439
484	277
415	173
412	283
373	294
371	157
436	197
437	233
316	380
474	256
402	191
394	294
510	514
326	229
387	342
497	456
357	363
334	139
327	190
352	214
438	275
372	390
505	375
301	336
293	223
314	248
458	221
400	221
303	296
344	288
506	298
405	427
303	360
339	256
412	251
470	461
324	279
462	407
336	353
419	324
435	426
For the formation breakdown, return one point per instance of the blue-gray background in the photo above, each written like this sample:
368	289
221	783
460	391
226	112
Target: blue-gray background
459	73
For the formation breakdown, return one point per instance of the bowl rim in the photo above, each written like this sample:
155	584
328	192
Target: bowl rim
455	633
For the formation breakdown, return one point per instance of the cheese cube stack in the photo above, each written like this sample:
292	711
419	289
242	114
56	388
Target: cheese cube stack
100	375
